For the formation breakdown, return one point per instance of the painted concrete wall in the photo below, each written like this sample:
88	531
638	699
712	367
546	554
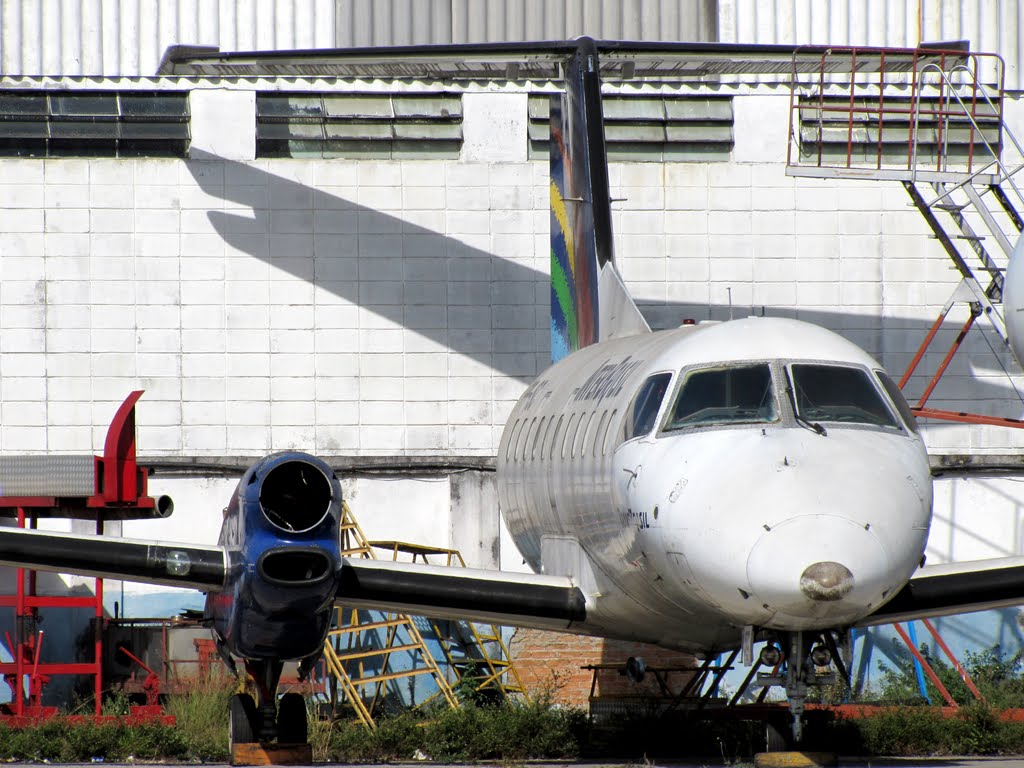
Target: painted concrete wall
400	308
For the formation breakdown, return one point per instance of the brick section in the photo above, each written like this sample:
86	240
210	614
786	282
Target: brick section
555	661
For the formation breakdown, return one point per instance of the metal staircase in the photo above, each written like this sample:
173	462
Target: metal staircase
935	127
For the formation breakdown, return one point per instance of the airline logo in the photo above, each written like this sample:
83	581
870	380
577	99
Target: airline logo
606	381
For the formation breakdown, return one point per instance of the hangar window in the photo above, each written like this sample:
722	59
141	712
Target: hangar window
94	123
651	128
869	130
838	394
358	125
729	394
646	405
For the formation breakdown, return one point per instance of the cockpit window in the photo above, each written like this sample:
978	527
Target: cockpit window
646	405
893	390
839	394
736	394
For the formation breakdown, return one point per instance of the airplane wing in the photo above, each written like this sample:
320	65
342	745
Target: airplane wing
149	562
499	597
951	588
527	600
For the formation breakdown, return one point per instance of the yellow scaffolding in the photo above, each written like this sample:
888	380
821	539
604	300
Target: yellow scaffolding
355	663
485	649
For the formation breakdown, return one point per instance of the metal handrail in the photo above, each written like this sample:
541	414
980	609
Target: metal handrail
970	115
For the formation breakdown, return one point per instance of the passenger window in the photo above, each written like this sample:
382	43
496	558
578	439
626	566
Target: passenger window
735	394
524	442
608	432
588	438
840	394
511	444
896	395
599	433
570	435
554	438
537	438
646	405
581	434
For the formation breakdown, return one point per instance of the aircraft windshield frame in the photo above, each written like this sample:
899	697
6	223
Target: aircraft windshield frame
839	394
725	394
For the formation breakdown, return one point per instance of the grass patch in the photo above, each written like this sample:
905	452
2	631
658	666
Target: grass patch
519	731
506	731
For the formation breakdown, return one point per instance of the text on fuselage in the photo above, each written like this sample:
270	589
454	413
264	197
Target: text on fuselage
606	381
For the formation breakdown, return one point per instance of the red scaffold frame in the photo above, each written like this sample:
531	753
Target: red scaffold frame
120	489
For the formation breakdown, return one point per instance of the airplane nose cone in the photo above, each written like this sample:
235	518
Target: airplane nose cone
826	581
815	571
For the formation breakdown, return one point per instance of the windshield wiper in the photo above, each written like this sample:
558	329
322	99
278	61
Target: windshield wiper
811	425
801	420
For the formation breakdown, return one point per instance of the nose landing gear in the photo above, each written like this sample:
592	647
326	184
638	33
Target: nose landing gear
267	731
808	662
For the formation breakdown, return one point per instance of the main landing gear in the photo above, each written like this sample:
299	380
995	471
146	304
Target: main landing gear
255	723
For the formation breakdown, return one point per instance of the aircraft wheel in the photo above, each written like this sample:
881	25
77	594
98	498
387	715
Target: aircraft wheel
242	720
292	727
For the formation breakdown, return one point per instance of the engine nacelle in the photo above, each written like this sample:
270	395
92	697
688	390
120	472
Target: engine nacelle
282	521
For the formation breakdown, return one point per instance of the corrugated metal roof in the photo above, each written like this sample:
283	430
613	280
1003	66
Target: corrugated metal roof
990	25
619	60
113	38
126	38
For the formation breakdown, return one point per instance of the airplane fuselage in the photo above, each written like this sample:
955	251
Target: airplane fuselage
760	472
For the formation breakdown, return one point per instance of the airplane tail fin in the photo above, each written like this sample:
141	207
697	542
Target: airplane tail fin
589	302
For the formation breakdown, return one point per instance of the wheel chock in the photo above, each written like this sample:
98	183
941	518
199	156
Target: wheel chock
795	759
271	754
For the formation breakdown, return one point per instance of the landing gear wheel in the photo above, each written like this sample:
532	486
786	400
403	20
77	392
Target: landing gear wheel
242	720
292	727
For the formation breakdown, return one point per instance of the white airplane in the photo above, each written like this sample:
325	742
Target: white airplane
700	488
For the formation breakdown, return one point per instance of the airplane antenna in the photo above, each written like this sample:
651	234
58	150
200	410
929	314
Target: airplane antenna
729	291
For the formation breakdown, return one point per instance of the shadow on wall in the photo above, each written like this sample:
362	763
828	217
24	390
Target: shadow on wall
491	305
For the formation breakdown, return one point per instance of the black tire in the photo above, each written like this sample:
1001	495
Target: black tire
242	725
292	727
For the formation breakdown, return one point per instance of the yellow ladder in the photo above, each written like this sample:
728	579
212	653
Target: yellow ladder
491	651
349	647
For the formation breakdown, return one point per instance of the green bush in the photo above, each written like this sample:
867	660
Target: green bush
507	731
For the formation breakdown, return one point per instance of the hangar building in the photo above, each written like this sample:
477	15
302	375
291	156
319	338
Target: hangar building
359	267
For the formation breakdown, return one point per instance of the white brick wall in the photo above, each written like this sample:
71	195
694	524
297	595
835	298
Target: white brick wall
401	307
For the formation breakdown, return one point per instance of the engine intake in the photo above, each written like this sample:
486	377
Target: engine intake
295	496
294	566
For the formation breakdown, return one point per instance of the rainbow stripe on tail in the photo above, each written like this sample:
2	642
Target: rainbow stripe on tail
585	286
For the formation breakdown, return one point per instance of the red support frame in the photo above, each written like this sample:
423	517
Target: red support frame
962	417
120	486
